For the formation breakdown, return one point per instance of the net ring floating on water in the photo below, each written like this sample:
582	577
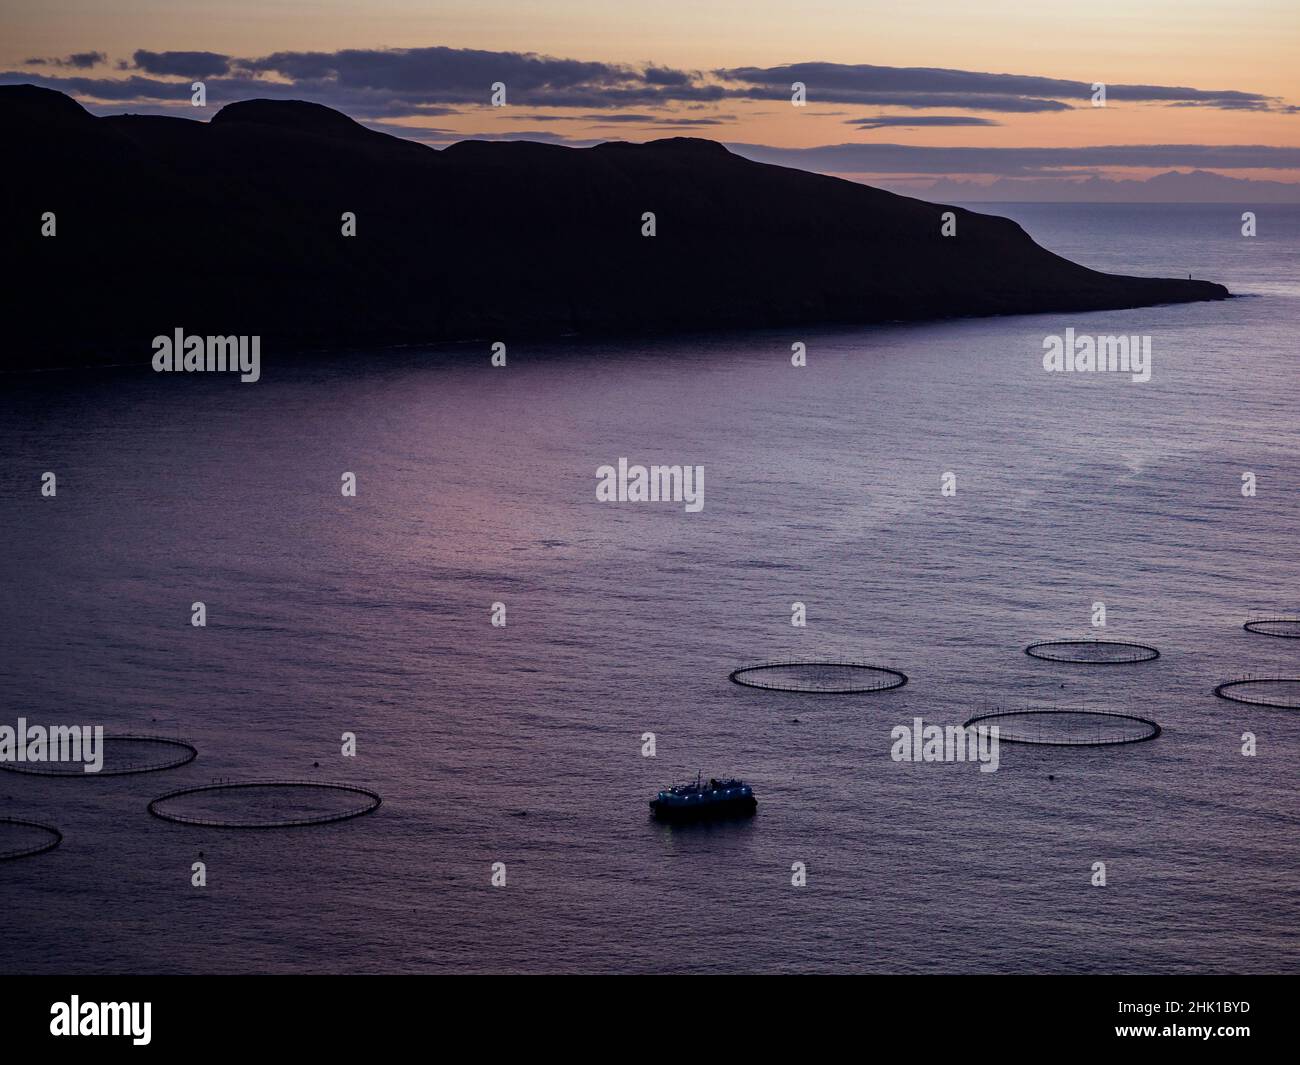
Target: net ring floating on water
1231	690
372	803
1068	728
186	753
1283	628
1107	652
55	837
818	678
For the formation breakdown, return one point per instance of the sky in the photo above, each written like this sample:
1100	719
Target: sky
909	95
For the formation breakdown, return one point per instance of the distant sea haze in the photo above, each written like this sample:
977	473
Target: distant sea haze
1198	186
512	754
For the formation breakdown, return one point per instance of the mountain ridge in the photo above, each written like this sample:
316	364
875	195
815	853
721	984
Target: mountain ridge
234	226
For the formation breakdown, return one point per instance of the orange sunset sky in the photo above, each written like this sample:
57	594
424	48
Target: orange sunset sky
1238	61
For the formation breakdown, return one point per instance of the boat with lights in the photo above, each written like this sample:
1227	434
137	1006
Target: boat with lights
704	799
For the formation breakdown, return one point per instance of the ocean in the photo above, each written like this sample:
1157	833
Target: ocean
520	748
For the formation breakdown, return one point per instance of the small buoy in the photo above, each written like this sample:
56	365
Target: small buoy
315	765
794	721
1050	777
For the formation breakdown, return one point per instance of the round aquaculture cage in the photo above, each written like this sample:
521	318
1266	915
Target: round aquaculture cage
1281	693
265	804
819	678
1068	728
23	839
122	756
1287	628
1092	652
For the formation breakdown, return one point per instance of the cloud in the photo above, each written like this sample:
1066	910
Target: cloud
1231	104
144	92
693	121
542	136
655	120
182	64
665	76
926	86
466	75
140	89
78	60
912	121
393	81
971	102
450	71
116	89
388	83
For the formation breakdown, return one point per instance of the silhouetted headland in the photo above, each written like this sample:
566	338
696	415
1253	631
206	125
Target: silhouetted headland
235	226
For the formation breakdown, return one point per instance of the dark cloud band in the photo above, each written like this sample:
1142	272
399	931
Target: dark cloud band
388	79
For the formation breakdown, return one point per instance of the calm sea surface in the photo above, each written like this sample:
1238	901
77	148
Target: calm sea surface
522	744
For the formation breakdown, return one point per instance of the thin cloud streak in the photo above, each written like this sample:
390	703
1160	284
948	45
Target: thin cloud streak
915	121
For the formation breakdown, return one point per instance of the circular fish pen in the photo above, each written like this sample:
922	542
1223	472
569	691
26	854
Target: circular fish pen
273	803
141	754
1280	693
1092	652
818	678
1068	728
38	839
1286	628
